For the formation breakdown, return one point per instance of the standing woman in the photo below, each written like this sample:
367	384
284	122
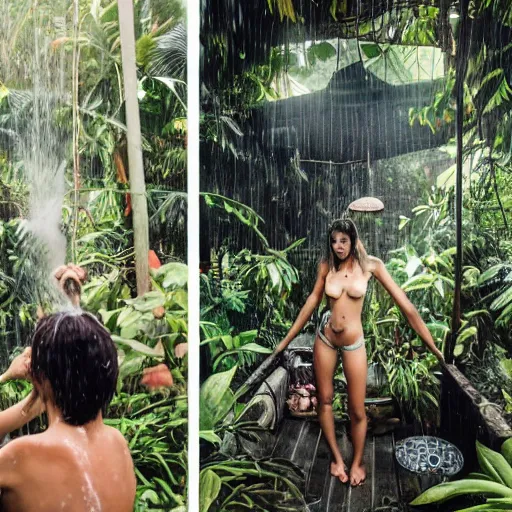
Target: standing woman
343	276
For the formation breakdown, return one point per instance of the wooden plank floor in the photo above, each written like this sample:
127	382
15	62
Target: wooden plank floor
388	487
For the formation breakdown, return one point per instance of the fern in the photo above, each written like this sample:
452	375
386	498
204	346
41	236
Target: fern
496	84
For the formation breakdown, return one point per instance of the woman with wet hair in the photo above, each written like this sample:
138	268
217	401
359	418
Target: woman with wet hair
343	276
78	464
74	363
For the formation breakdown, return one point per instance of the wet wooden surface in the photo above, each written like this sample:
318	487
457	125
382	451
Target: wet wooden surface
388	487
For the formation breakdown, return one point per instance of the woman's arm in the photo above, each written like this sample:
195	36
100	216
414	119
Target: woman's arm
312	302
406	306
27	409
20	414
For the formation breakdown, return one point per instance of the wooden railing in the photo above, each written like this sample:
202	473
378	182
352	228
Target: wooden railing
467	416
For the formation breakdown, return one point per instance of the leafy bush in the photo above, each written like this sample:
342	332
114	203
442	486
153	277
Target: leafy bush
495	480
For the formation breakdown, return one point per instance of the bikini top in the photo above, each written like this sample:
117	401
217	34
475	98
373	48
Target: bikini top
335	285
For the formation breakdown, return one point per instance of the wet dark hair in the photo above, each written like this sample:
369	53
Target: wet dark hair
75	354
357	249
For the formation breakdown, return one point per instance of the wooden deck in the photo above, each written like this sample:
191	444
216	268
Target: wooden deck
388	487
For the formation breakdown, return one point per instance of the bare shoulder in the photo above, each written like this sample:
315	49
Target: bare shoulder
13	448
33	446
374	264
20	445
15	459
123	456
117	440
323	268
115	436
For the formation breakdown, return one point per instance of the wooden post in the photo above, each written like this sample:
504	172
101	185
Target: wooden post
461	67
137	182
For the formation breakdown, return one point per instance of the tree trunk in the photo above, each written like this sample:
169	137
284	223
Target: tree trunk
137	183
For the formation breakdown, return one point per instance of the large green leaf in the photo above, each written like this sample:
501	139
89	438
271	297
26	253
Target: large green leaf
210	436
216	398
131	365
480	476
371	50
412	265
506	450
209	488
158	351
443	492
505	317
494	465
491	273
503	300
321	51
419	282
173	275
248	336
250	347
275	276
466	334
108	317
439	287
506	364
145	303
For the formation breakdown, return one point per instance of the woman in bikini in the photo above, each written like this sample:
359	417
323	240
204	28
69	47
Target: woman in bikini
343	276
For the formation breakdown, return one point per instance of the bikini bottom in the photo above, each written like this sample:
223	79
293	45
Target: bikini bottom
321	334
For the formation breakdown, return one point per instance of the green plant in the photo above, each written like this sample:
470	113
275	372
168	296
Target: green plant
241	483
146	330
499	277
495	480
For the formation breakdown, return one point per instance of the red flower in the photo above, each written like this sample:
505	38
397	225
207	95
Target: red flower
157	377
154	262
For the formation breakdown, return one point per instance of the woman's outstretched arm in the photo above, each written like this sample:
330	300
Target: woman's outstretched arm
405	305
312	302
25	410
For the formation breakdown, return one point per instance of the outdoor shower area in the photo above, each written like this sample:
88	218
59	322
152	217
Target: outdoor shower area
306	108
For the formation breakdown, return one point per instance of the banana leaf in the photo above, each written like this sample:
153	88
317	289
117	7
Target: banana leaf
493	464
448	490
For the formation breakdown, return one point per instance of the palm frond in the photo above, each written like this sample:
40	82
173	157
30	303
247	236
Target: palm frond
169	57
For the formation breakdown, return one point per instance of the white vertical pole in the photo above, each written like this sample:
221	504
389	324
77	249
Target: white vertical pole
137	183
193	76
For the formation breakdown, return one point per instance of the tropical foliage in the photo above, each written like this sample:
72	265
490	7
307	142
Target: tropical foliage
495	479
63	129
250	295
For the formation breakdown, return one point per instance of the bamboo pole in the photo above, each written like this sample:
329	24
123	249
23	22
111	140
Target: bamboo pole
137	182
76	126
461	67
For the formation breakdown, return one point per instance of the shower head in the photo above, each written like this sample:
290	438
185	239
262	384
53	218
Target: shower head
367	205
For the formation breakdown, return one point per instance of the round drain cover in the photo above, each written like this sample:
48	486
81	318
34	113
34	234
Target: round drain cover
428	454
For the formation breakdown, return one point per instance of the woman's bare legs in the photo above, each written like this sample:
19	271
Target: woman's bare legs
355	368
325	360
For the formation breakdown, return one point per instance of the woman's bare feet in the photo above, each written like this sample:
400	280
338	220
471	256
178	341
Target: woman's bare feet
357	474
339	469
